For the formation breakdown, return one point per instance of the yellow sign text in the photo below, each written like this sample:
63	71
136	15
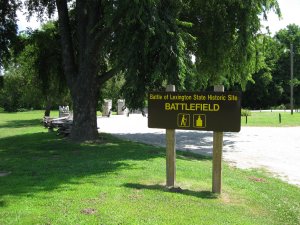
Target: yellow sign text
192	107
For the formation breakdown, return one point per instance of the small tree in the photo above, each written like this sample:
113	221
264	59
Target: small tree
36	63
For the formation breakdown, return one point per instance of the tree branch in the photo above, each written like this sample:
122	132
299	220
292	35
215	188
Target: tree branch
101	35
82	29
107	75
66	41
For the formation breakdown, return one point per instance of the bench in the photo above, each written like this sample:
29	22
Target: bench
62	124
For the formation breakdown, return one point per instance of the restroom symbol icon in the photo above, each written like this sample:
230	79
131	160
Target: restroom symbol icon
199	120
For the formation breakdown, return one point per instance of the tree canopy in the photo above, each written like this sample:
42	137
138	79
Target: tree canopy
286	37
8	27
35	76
151	42
270	85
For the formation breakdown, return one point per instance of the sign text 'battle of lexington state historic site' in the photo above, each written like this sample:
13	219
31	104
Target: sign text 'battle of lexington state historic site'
211	111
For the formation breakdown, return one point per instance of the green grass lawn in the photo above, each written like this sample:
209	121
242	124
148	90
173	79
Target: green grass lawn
271	119
54	181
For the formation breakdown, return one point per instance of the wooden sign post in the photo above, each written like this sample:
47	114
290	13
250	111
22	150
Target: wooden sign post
171	150
217	154
216	111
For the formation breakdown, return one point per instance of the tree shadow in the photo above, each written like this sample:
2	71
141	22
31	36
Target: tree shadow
2	203
20	123
191	141
196	142
44	162
161	188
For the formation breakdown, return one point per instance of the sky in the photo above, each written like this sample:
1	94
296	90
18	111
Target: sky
290	10
23	23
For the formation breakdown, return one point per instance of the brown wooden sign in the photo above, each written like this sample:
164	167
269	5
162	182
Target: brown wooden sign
211	111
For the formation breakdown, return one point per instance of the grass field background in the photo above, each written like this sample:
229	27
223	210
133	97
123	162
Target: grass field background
51	180
271	119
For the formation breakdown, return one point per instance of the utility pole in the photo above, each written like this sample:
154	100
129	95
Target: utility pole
292	78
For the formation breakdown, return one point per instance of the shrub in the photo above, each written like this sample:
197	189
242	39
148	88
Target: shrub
246	112
22	110
282	106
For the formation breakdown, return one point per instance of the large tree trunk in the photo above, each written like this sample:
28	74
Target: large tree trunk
81	64
84	118
47	109
85	100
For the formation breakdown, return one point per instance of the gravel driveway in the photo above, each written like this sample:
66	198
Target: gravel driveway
274	149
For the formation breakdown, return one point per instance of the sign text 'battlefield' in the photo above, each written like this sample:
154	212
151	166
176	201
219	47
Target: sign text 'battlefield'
211	111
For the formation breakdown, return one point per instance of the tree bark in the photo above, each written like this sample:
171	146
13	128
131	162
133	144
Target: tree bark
81	66
47	110
84	112
68	55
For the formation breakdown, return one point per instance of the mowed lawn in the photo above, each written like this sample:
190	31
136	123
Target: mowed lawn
46	179
271	119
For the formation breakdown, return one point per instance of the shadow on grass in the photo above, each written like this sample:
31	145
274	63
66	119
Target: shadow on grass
2	203
43	161
21	123
195	142
192	141
157	187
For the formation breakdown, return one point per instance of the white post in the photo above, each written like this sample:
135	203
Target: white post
292	78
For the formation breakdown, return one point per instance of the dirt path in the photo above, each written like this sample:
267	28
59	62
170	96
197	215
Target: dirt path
274	149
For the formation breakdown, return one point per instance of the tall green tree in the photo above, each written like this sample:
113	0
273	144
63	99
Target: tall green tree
8	27
20	89
35	71
151	42
286	37
101	38
47	65
8	31
262	91
226	32
270	85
